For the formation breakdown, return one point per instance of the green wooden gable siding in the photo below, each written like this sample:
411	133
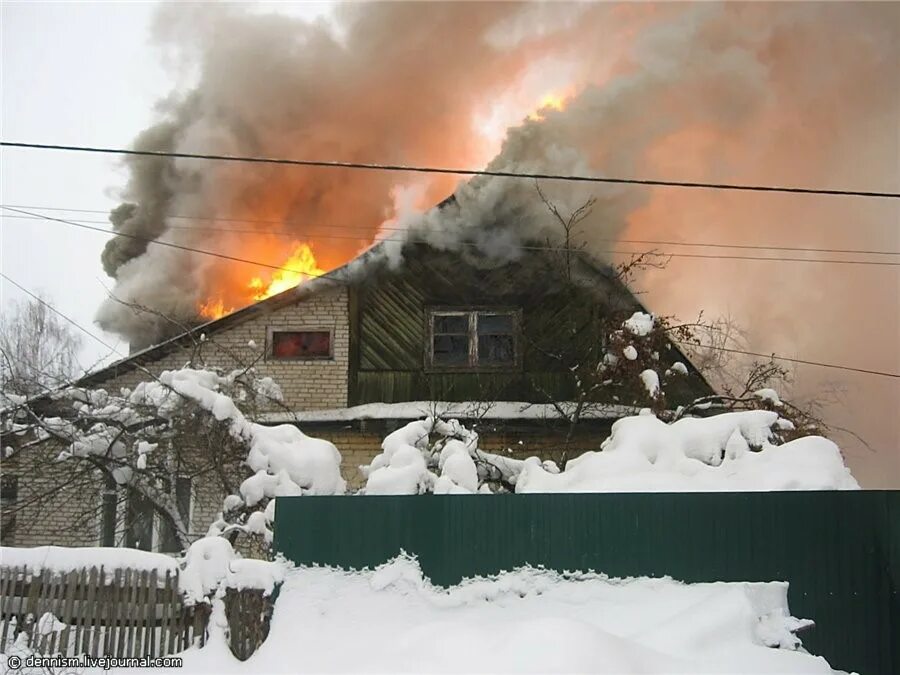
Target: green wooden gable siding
388	327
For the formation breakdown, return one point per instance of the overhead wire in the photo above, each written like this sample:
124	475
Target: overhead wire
313	232
60	314
372	166
665	254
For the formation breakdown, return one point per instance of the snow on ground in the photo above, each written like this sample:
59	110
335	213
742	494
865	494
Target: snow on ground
732	451
529	620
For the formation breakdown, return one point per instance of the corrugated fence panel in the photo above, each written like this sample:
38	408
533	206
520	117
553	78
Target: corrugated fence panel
840	551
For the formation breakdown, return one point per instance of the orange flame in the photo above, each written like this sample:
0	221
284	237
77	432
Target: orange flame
214	308
300	266
548	102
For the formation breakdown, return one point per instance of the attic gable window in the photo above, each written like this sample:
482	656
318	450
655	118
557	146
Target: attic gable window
467	339
299	345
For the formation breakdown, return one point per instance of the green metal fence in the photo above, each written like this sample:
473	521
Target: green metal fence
840	551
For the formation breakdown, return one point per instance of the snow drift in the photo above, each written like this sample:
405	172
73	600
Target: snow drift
731	452
392	619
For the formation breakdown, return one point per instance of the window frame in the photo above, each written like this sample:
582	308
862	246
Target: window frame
270	343
473	365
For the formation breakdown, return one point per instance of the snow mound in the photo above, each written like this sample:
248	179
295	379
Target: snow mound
212	565
400	469
527	620
728	452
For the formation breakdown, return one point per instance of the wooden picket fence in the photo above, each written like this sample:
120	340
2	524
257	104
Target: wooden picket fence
99	612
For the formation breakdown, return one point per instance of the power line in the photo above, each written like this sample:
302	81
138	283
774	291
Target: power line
526	247
165	243
370	166
58	313
802	361
723	349
367	232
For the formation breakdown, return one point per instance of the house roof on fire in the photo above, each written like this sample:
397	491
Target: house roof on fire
353	272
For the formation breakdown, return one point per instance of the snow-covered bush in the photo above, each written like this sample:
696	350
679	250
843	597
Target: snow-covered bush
737	451
411	463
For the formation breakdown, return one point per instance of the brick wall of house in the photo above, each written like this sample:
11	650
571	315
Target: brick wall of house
71	516
61	503
54	505
306	385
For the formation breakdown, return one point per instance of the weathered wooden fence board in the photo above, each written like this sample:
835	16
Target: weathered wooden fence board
90	611
127	613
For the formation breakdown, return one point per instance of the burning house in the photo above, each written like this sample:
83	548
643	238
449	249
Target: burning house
361	350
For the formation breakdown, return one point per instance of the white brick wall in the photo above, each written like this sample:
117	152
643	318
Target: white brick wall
306	385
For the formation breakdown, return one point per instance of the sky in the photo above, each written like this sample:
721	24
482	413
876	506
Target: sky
74	74
89	74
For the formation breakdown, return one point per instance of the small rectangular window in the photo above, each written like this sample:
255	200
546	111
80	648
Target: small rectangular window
473	339
300	344
9	489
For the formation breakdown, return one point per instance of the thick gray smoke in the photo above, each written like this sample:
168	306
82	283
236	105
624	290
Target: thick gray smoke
398	83
768	93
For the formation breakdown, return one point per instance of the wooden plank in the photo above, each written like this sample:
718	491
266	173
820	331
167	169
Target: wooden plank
90	641
124	606
7	599
58	611
43	605
128	628
175	613
124	603
79	610
68	617
110	611
150	621
165	615
34	587
128	611
40	608
141	613
47	639
199	624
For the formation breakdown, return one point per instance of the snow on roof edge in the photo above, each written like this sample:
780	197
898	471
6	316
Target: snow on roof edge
489	410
